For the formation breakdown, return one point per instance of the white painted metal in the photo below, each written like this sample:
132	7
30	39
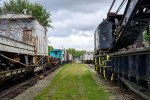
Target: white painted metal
96	40
70	58
88	56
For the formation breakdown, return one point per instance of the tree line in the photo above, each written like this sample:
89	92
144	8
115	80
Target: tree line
75	53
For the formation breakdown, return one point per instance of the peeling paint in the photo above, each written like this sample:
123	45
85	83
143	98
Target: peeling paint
24	32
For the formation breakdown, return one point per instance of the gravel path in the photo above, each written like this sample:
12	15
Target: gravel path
31	92
117	93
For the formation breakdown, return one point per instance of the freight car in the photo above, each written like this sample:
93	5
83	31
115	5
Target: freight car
87	57
67	57
120	54
63	55
57	53
23	45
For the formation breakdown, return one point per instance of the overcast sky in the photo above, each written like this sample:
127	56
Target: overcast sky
75	21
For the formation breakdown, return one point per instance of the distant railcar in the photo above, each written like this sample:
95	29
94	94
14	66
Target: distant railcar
70	57
67	57
63	55
57	53
88	57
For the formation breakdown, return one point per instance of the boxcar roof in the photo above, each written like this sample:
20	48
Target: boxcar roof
56	50
19	16
16	16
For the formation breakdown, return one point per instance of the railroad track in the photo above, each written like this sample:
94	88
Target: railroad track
91	66
19	88
122	91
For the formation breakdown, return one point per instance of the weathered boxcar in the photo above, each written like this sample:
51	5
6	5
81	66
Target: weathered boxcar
23	44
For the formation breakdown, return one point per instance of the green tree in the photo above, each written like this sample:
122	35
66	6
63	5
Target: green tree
50	48
75	53
71	51
147	36
38	11
79	53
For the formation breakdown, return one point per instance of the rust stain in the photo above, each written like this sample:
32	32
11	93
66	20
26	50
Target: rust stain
27	37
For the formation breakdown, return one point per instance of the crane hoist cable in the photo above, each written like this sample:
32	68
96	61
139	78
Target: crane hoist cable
121	5
111	5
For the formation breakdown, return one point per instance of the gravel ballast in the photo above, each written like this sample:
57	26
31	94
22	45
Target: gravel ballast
117	92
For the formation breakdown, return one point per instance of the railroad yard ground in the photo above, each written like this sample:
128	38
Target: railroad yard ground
73	82
76	82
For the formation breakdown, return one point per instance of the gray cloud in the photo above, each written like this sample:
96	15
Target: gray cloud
72	4
65	21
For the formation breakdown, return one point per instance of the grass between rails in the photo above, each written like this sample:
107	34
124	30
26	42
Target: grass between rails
73	82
